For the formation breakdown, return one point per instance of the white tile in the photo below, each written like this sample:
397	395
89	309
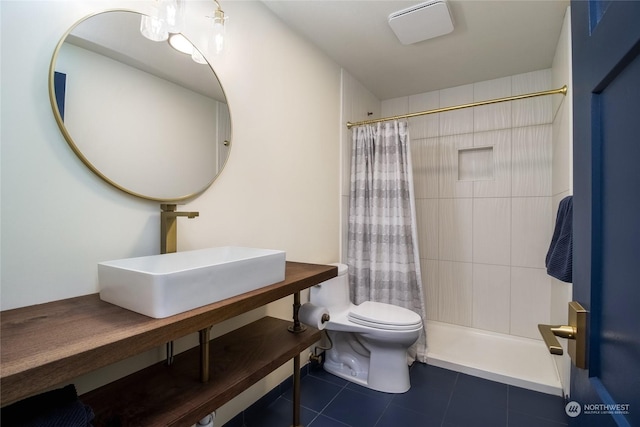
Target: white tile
430	287
555	202
450	185
500	185
562	156
492	231
531	230
531	161
495	116
533	81
491	297
561	67
455	292
530	296
395	106
427	213
427	126
561	295
455	229
532	111
459	121
425	158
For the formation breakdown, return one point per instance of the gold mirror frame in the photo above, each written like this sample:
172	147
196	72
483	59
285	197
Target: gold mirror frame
76	149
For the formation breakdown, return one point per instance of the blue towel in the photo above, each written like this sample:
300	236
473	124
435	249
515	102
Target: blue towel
55	408
559	259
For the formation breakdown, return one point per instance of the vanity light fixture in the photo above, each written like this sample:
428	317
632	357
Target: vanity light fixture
181	44
167	17
174	12
166	22
219	20
197	57
153	28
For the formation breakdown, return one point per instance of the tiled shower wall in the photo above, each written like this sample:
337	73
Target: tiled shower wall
484	225
562	182
484	230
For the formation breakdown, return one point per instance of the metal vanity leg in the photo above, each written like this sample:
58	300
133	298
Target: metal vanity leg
296	392
296	328
169	351
204	355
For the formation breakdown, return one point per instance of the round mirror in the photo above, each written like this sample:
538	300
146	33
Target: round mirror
142	115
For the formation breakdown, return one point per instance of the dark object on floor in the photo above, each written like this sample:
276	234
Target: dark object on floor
55	408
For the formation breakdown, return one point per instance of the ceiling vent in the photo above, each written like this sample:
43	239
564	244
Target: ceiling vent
421	22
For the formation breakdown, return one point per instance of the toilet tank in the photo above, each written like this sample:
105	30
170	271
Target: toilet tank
332	294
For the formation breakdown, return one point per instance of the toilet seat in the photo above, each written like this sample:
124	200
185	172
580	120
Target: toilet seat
384	316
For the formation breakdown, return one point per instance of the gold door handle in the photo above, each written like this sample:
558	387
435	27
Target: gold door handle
575	332
563	331
550	339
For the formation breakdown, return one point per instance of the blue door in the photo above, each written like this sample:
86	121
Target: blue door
606	79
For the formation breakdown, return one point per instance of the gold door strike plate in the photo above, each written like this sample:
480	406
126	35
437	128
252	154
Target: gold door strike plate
575	332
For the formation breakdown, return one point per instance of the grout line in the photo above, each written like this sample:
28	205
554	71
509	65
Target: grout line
383	412
508	396
444	417
334	397
330	402
456	383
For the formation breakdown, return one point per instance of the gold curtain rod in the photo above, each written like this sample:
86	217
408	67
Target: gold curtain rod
562	90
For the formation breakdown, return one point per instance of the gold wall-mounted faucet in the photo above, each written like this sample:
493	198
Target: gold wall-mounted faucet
169	227
169	244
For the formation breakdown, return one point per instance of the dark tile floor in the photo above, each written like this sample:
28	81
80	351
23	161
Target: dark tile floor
438	397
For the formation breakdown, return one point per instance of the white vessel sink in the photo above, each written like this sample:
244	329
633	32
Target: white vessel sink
163	285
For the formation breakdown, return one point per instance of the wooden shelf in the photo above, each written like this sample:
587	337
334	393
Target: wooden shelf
45	345
174	396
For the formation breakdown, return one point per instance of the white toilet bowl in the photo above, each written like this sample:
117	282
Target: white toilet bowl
370	340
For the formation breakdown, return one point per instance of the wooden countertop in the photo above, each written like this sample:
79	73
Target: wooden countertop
46	344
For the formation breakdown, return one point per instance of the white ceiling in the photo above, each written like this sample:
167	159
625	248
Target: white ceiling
491	39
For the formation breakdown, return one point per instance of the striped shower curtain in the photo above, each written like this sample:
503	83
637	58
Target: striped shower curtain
383	257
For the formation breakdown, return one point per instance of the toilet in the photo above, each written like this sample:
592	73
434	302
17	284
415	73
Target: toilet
370	340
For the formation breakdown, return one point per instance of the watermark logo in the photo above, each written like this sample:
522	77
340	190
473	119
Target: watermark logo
608	408
573	409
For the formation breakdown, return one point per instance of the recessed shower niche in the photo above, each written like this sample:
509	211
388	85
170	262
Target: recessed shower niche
475	164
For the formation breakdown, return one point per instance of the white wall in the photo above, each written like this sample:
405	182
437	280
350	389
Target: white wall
279	188
358	104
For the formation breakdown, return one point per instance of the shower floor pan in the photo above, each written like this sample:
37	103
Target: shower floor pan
516	361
